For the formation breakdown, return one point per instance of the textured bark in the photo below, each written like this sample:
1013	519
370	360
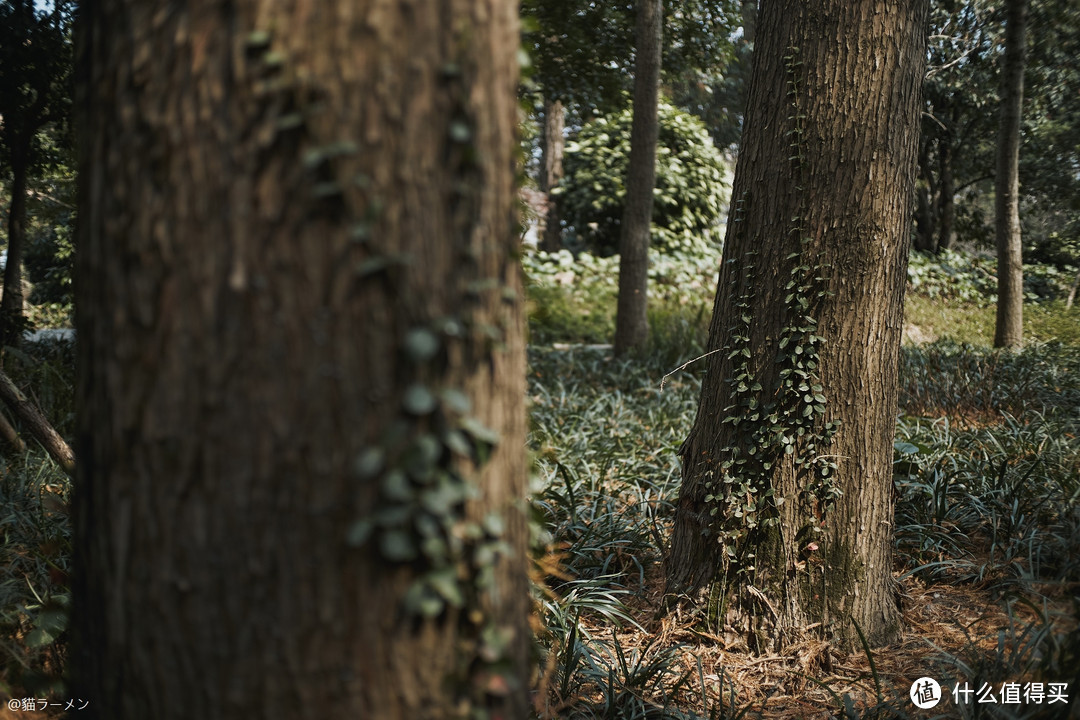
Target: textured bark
1009	328
631	321
293	218
837	83
551	171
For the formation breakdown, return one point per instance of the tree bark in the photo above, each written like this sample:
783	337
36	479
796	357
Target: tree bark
1009	327
301	356
551	171
631	320
784	522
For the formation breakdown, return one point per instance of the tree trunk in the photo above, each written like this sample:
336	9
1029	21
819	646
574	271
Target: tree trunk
1072	291
11	301
926	235
947	201
36	424
1009	328
631	320
784	523
551	171
301	431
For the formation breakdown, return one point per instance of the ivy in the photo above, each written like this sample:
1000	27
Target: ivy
422	467
786	422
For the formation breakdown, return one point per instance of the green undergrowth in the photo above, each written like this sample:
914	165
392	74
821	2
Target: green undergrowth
987	481
946	378
605	440
36	530
35	558
572	300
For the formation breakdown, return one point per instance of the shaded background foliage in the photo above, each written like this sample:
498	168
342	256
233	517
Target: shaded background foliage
689	199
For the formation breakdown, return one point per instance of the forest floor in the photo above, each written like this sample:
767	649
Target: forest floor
813	681
987	548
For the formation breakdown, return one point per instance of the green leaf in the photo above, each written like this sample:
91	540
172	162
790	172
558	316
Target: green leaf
457	443
479	431
494	524
39	637
446	584
418	400
421	344
369	463
397	546
396	486
359	533
421	600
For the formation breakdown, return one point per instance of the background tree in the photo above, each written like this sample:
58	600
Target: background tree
35	62
717	94
1050	154
631	320
785	515
582	57
301	363
955	147
1009	327
552	146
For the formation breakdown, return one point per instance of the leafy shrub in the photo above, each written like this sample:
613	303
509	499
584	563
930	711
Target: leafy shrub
972	277
950	274
688	200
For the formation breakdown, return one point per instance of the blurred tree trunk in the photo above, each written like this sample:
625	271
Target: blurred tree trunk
631	321
34	91
298	317
784	524
926	209
946	157
11	301
1009	328
1072	291
552	144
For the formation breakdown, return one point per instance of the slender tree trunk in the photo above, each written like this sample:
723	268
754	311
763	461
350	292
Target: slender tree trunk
924	221
301	435
1072	291
926	235
551	171
11	302
947	202
784	522
947	225
1009	329
632	322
